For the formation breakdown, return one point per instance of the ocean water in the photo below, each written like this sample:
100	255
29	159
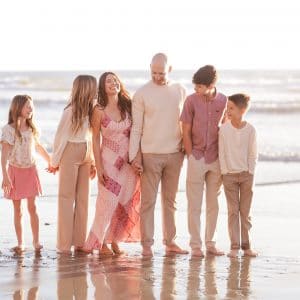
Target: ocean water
275	108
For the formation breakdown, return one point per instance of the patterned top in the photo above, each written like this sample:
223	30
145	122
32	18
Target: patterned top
23	153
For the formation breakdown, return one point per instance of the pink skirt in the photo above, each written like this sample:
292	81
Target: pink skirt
25	183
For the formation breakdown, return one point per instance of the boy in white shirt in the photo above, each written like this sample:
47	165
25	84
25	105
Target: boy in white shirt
238	157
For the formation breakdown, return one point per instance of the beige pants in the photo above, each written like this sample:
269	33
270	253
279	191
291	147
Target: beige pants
73	195
200	174
164	168
239	191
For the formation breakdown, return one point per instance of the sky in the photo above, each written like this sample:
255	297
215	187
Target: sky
119	34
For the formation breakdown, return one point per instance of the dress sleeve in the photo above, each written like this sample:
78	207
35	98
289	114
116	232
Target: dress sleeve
8	135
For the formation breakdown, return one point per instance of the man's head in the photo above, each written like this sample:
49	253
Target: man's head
205	79
160	69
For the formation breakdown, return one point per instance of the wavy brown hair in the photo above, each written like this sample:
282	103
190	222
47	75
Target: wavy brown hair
83	93
15	111
124	99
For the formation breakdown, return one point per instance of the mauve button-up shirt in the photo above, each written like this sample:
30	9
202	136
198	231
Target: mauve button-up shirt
205	116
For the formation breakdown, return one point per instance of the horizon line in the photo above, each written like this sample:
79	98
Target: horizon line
138	69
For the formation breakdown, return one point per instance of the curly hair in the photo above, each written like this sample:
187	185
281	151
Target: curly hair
206	75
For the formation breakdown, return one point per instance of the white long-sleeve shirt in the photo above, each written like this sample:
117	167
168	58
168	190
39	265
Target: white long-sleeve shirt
155	112
65	134
237	148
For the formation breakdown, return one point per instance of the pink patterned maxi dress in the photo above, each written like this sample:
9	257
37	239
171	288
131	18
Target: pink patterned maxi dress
117	216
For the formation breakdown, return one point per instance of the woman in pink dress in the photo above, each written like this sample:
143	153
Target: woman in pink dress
117	217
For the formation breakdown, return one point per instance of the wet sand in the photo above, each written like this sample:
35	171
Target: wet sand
274	274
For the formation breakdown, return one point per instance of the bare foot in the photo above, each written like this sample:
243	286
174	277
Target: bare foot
147	251
37	246
214	251
105	251
233	253
250	253
116	250
18	249
175	249
197	252
63	252
83	250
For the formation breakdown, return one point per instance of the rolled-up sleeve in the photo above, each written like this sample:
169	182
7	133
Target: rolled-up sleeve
138	109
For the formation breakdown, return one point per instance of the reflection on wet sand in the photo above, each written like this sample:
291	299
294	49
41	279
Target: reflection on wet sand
115	278
210	277
168	284
238	284
22	278
71	278
209	289
138	278
83	277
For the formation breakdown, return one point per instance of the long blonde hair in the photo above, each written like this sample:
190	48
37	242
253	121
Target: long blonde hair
15	111
84	92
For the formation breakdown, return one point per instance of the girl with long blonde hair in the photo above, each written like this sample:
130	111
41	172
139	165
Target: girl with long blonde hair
72	155
20	141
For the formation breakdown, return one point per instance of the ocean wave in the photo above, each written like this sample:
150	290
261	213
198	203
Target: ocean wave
275	107
281	157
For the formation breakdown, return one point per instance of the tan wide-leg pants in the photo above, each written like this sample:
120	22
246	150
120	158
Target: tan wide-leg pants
73	195
164	168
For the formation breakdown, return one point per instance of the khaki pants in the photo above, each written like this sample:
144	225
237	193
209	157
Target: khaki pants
165	168
73	195
239	191
200	174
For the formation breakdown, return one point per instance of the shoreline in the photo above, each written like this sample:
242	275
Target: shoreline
274	274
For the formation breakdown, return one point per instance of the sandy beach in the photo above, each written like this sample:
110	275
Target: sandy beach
274	274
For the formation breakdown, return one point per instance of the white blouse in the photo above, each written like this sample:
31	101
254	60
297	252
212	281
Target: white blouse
23	154
65	134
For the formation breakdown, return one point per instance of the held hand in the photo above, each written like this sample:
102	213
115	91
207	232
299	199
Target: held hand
6	185
137	167
92	172
52	169
102	176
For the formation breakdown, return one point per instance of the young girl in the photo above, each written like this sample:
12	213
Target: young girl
20	139
72	154
238	156
117	216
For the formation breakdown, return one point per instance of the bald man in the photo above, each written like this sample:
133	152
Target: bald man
156	146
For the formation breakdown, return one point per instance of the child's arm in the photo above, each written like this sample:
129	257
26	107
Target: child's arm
253	152
43	152
187	138
6	182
